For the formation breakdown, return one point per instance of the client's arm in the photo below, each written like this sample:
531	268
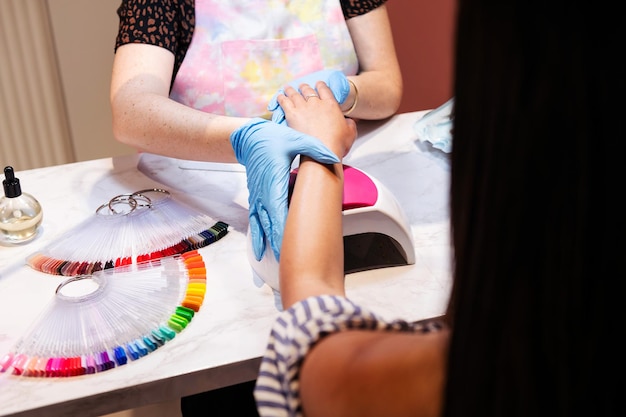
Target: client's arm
312	249
353	372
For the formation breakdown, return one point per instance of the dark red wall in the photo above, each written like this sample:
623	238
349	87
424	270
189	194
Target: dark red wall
423	32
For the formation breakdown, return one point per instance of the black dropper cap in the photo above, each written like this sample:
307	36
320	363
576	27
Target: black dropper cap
11	184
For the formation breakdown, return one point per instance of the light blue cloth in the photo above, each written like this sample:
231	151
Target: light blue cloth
436	127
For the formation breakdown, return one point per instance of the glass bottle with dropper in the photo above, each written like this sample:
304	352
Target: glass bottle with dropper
20	213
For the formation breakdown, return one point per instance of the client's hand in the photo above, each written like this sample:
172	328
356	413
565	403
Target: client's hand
267	150
317	113
335	80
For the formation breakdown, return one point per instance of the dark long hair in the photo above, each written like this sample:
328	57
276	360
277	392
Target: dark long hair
538	232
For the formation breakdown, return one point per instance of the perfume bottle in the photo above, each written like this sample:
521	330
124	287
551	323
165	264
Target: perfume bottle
20	213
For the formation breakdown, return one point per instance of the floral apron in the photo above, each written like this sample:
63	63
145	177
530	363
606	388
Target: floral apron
243	51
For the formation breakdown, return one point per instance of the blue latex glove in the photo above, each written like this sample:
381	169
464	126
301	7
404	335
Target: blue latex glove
336	81
267	150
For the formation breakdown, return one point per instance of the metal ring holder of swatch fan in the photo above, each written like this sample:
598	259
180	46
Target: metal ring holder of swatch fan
376	232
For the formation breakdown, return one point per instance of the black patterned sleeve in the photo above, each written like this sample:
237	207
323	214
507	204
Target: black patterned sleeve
165	23
353	8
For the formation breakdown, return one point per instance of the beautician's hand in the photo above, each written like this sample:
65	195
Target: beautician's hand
267	150
335	80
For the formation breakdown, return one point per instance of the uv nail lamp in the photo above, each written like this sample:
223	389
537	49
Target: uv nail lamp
376	232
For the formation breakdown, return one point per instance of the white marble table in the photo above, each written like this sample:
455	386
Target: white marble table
223	343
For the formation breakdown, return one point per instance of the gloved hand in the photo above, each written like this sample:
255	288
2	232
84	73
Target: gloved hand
267	150
336	81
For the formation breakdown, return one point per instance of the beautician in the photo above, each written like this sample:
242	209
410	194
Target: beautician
189	76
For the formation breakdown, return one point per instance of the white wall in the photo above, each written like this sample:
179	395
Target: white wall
84	34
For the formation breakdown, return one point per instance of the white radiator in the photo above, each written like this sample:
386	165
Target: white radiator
34	130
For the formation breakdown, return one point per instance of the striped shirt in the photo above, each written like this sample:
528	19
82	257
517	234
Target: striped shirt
294	333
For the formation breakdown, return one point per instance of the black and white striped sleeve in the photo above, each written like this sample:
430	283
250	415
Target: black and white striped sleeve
294	333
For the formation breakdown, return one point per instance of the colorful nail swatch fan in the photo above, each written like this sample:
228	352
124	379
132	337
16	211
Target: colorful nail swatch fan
130	228
100	321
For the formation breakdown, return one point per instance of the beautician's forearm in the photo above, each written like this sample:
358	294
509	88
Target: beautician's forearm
157	124
145	118
379	80
378	96
312	249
